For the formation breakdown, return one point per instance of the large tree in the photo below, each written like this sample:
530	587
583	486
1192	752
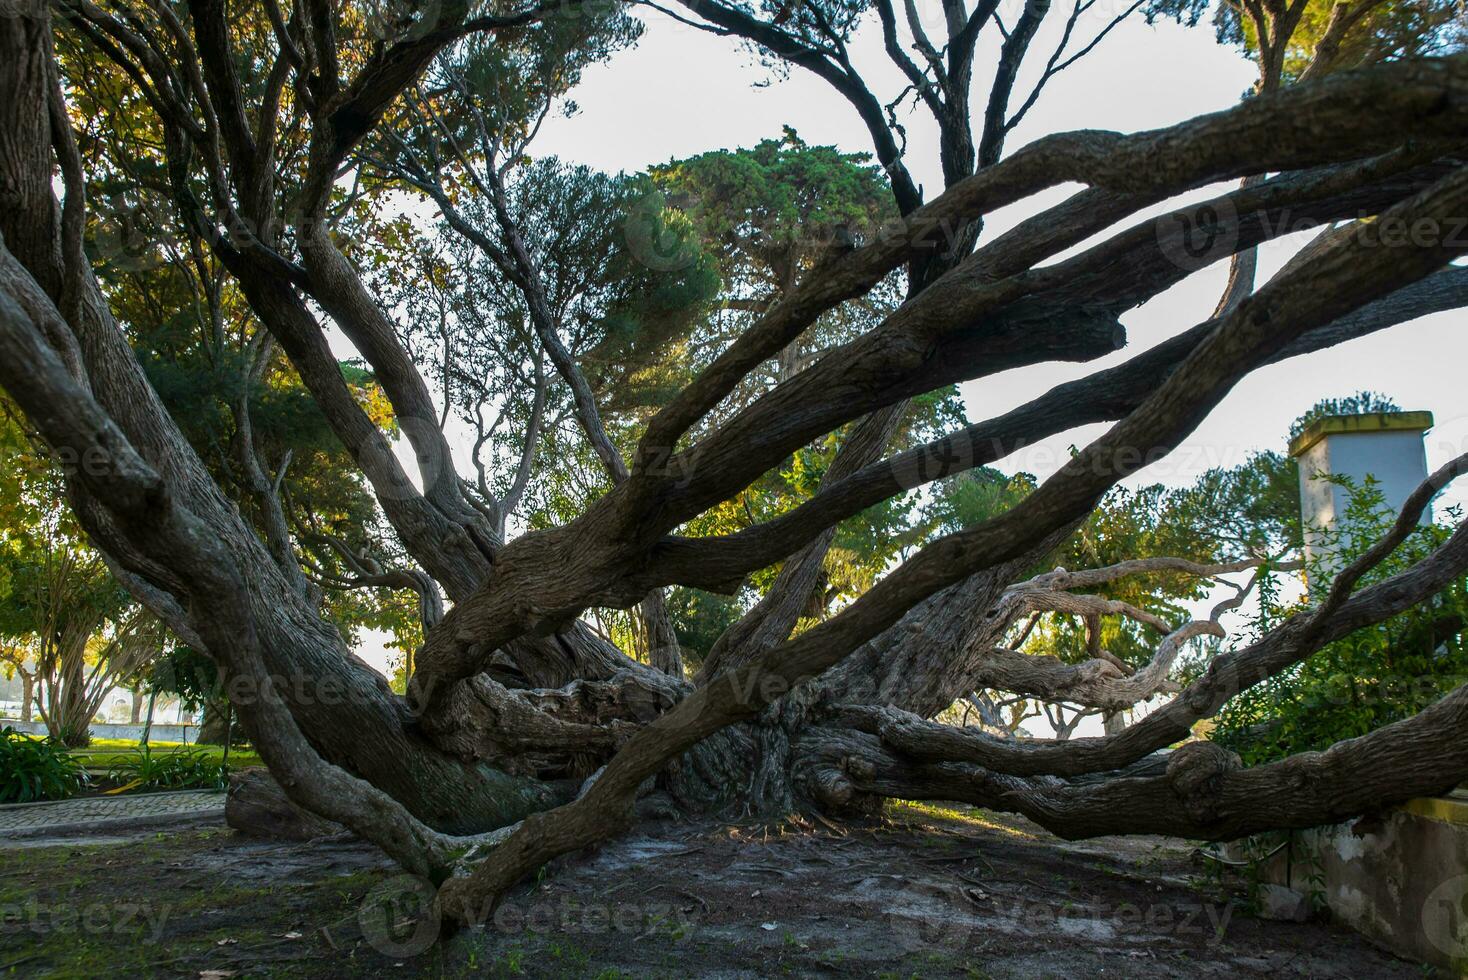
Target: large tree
244	122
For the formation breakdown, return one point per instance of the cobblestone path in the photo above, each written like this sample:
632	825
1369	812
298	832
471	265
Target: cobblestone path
104	810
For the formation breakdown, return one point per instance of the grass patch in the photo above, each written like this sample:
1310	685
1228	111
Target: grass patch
908	810
105	753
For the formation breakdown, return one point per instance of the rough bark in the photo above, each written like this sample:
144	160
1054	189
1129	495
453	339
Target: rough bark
258	807
27	696
1200	791
729	458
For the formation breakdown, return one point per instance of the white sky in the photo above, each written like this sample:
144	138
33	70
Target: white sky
682	92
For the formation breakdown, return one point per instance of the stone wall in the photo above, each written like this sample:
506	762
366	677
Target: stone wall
1400	879
159	733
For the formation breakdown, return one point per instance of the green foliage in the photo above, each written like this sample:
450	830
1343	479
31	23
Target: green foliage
1222	516
768	215
699	618
625	281
63	616
975	496
190	769
772	210
33	769
631	280
514	77
1389	31
194	679
225	384
655	276
518	74
221	379
1361	403
1250	510
1229	513
186	674
49	576
1373	677
1145	522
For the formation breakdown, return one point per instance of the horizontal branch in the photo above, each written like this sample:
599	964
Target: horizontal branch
1105	681
1283	647
718	562
1345	116
1201	792
486	720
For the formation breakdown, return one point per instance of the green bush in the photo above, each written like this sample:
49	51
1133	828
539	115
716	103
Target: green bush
1373	677
34	769
169	770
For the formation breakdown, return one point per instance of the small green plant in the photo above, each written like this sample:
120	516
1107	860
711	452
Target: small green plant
1372	677
190	769
33	769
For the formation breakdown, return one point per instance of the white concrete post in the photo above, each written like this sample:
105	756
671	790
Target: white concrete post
1384	445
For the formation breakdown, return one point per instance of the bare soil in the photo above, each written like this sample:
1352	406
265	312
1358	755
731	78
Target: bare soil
925	892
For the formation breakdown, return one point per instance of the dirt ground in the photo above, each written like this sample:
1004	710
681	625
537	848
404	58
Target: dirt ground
926	892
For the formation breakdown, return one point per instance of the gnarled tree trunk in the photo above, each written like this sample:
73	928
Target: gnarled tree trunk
517	708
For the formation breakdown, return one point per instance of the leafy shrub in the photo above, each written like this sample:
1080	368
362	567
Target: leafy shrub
1374	676
34	769
169	770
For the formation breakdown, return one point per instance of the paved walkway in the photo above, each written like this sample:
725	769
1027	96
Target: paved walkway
102	812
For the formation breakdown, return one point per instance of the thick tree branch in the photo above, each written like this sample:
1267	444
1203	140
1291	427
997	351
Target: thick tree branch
1324	288
1282	131
1288	644
1102	397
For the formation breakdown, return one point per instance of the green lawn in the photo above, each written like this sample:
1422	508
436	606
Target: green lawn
104	752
